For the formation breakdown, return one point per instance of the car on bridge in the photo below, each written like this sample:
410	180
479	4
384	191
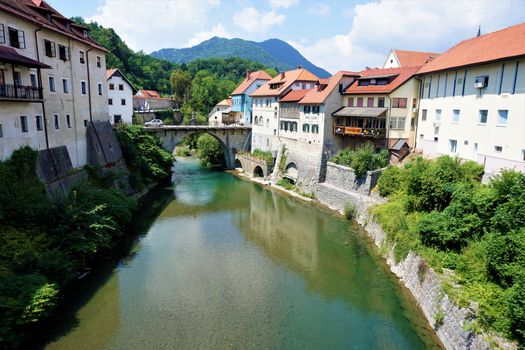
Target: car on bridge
154	123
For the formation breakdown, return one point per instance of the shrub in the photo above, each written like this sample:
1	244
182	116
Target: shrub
210	151
191	140
286	183
362	159
350	211
391	181
264	155
183	151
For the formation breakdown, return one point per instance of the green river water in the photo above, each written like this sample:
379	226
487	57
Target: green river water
229	265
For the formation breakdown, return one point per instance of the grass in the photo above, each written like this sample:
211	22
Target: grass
289	186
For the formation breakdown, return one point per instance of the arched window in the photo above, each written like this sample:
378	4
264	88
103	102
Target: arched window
256	120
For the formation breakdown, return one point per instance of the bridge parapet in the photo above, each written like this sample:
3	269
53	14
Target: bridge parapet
254	166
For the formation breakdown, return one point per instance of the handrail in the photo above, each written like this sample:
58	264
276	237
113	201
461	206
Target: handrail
20	92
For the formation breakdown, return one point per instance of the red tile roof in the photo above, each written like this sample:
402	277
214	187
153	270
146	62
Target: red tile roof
316	96
225	102
258	75
36	11
286	79
149	93
402	76
111	72
502	44
294	95
414	58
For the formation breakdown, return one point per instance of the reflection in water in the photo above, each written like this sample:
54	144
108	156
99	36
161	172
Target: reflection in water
230	265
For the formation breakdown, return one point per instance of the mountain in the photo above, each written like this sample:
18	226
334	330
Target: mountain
271	53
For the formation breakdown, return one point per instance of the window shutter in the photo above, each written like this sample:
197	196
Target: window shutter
2	34
21	40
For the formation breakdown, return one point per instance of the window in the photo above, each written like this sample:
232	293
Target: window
424	115
100	89
85	33
17	78
52	87
121	87
453	146
2	34
32	79
455	116
397	123
315	109
110	102
99	62
315	129
1	131
414	102
123	102
83	87
65	86
351	102
503	116
438	114
82	57
85	123
63	52
17	38
50	48
112	86
498	149
307	109
306	127
68	120
359	102
483	116
23	123
381	102
57	122
39	123
370	102
399	102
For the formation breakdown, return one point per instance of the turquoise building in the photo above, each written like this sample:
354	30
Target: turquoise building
241	100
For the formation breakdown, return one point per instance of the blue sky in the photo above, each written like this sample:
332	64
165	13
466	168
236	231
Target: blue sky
332	34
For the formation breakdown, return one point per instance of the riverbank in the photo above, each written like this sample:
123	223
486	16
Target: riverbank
450	322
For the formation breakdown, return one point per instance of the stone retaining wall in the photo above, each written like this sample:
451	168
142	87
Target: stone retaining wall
345	178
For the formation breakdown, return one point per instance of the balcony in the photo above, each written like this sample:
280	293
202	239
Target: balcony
11	92
356	131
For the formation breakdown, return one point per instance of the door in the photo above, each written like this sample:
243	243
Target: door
117	119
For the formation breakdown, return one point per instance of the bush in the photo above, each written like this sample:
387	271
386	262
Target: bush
362	159
183	151
350	211
286	183
264	155
391	181
147	161
210	151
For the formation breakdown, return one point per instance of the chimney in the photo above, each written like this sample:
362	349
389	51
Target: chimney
283	74
298	67
248	74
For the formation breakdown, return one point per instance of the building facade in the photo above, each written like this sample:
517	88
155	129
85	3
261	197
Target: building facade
473	102
221	114
379	107
241	100
52	80
265	106
120	97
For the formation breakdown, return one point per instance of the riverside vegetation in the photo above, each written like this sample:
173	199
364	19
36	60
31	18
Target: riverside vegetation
46	243
441	210
362	159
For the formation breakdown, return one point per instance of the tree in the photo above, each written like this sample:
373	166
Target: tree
181	85
210	151
205	92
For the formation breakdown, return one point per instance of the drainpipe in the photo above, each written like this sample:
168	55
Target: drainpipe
388	119
417	116
41	94
89	85
72	87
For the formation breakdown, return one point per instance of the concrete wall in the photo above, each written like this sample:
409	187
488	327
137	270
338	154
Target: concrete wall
475	140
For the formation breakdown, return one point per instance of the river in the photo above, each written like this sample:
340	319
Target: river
230	265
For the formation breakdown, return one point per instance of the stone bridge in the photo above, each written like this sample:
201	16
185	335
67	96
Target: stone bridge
253	166
231	138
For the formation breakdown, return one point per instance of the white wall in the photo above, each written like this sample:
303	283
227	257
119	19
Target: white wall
117	95
475	140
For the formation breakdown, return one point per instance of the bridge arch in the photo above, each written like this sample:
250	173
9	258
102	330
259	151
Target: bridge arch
231	138
291	172
238	163
258	172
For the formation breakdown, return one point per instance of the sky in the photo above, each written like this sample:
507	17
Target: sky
333	34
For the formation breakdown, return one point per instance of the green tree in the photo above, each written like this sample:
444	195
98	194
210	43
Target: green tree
181	85
210	151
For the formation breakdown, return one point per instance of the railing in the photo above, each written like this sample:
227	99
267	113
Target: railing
366	132
19	92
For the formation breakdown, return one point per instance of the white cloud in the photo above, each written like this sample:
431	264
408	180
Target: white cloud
412	25
282	3
150	25
320	9
251	20
217	30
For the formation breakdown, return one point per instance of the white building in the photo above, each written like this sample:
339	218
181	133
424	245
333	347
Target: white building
120	97
221	113
473	101
265	105
52	80
403	58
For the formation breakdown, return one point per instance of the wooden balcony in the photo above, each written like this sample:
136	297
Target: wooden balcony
19	93
356	131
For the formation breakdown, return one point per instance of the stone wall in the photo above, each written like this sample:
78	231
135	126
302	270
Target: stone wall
345	178
424	283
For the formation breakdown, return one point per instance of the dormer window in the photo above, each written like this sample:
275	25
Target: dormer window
85	33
